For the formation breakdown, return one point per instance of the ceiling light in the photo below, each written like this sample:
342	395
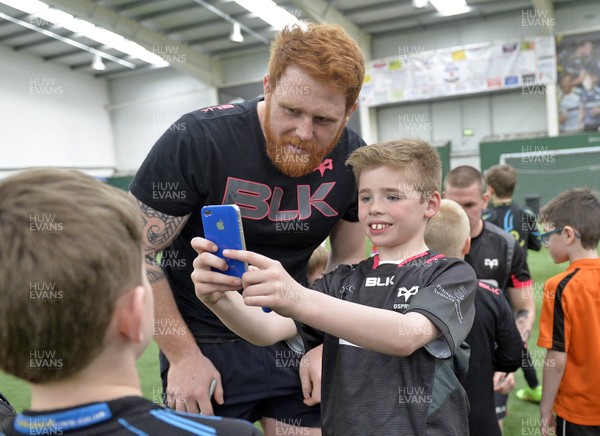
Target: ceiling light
98	64
236	33
86	29
66	40
450	7
269	12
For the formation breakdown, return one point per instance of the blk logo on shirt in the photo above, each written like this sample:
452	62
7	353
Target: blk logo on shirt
379	281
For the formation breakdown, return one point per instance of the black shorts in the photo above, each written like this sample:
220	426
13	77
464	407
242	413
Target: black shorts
566	428
500	400
258	382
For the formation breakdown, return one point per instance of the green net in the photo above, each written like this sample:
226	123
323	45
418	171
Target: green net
544	173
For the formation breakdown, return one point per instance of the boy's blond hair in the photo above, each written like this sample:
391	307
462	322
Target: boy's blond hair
503	178
70	246
578	208
447	231
415	157
318	259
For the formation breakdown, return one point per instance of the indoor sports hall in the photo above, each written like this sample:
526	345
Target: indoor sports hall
92	85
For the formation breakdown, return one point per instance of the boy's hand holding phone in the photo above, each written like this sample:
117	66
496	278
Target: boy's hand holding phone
268	284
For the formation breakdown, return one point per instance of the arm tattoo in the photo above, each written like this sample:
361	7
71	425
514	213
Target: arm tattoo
159	231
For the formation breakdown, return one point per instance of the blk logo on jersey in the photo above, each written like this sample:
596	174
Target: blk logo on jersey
379	281
257	200
492	263
407	293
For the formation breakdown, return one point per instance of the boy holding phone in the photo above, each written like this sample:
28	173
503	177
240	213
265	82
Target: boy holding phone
389	324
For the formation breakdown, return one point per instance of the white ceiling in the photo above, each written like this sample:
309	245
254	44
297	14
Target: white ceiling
190	29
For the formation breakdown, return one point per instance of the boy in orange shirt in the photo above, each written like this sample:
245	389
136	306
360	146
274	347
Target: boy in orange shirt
570	319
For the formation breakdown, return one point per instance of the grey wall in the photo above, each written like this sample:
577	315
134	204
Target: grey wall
51	115
520	111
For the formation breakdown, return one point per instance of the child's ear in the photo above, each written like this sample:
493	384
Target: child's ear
433	204
467	247
570	233
130	312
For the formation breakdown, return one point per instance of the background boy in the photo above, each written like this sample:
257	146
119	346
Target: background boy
494	255
76	310
522	224
570	318
389	324
518	221
317	264
494	339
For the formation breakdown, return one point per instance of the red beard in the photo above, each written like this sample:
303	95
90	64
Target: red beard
285	159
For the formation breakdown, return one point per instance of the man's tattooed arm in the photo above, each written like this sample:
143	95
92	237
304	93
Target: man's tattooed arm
160	229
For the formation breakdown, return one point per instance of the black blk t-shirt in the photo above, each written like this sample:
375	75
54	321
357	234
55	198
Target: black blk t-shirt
489	257
217	155
496	345
369	393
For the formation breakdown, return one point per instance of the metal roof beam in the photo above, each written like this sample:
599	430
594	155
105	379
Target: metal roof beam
189	61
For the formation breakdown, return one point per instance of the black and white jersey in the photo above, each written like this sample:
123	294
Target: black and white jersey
496	345
496	258
217	155
367	392
519	222
125	416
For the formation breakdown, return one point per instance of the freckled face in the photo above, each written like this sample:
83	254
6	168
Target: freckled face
304	120
391	212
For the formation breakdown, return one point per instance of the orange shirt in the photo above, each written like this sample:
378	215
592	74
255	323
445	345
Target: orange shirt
570	322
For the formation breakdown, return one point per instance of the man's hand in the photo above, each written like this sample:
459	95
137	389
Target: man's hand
208	284
188	385
310	375
503	382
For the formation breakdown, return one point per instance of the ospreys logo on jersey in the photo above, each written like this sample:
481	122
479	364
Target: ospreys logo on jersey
492	263
407	293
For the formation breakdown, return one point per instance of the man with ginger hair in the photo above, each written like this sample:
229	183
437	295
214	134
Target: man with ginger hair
281	160
76	310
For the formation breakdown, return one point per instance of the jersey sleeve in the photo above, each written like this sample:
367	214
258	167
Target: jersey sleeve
519	272
449	303
351	213
508	355
533	235
169	178
552	320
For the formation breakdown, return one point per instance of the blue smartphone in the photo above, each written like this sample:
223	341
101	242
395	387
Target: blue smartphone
223	226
